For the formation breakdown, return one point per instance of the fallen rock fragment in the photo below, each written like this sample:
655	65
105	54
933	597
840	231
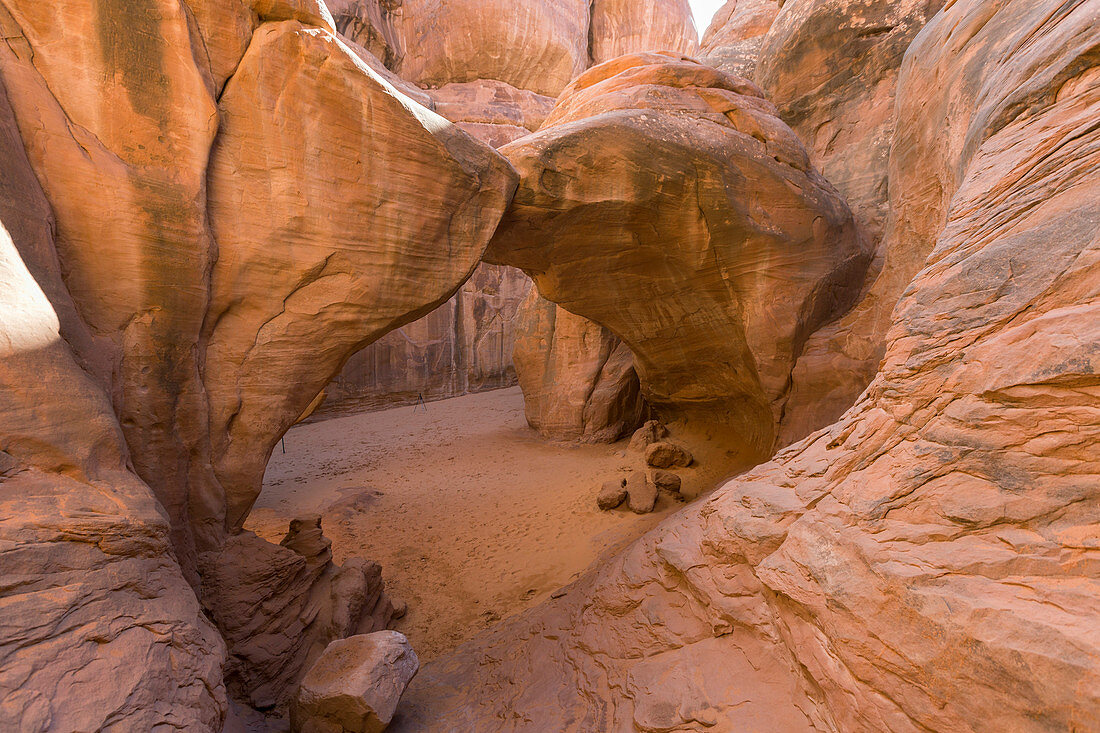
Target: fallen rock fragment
666	481
642	494
612	494
355	685
666	454
651	432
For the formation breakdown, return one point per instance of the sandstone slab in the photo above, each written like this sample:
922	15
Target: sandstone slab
356	684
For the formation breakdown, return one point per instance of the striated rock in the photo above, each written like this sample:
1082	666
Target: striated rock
89	578
538	45
578	379
356	684
666	481
924	563
488	101
641	494
463	346
629	213
650	432
631	26
736	34
666	454
372	25
612	494
311	186
278	185
845	109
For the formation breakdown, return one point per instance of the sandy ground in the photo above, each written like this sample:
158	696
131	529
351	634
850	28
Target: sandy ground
471	514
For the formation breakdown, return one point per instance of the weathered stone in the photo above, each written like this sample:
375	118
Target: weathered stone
356	684
736	34
631	26
666	454
538	45
923	564
628	214
650	432
371	24
578	379
612	494
641	494
666	481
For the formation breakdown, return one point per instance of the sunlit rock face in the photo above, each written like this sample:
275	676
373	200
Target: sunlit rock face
85	553
736	34
664	200
832	70
630	26
238	201
927	562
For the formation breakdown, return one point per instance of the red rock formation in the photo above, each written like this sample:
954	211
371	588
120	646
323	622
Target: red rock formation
232	225
926	563
832	69
631	26
641	206
578	378
736	34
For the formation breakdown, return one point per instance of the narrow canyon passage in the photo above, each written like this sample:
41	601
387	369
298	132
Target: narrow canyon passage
472	515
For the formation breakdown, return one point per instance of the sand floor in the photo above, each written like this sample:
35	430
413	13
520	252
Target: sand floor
471	514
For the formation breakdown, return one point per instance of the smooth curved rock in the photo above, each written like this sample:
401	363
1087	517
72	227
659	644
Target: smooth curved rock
117	108
926	563
538	45
632	26
287	202
578	378
663	199
736	34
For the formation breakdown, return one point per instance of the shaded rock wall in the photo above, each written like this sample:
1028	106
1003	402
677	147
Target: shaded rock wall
927	562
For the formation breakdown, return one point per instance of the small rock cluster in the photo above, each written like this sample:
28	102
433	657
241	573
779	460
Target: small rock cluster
640	489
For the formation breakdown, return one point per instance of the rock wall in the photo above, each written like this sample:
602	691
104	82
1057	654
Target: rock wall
736	35
928	561
239	203
640	207
489	70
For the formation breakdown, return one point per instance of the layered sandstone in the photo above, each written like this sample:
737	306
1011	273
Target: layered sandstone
736	34
641	206
630	26
234	217
832	69
926	563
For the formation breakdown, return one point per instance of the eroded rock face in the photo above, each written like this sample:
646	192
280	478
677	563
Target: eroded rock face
85	554
371	24
631	26
200	350
463	346
538	45
832	69
924	563
578	378
642	206
736	34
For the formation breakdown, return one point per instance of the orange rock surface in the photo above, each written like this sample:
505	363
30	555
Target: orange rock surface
665	200
927	562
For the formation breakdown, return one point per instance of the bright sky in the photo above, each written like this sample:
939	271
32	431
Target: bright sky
703	10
